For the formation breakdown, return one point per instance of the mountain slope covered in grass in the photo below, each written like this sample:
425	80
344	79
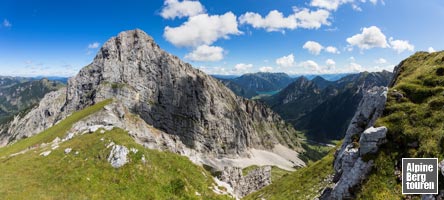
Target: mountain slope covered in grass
305	183
414	116
85	173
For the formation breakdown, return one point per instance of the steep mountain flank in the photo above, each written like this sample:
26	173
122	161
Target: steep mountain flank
171	96
323	109
237	89
176	98
321	82
296	100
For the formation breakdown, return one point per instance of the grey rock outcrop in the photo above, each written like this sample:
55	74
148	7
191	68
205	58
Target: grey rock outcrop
244	185
369	110
176	98
361	138
118	156
371	139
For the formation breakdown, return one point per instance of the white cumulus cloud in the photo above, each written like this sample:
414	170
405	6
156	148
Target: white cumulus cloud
401	45
311	65
431	50
93	45
330	63
286	61
206	53
242	68
370	37
179	9
334	4
266	69
355	67
332	49
329	4
202	29
312	19
276	21
215	70
313	47
381	61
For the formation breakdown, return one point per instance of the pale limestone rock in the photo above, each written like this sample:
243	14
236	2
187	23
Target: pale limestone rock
350	168
118	156
68	150
244	185
45	153
371	139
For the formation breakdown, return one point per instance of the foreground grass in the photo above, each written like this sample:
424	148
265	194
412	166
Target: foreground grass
58	130
88	175
415	124
305	183
85	173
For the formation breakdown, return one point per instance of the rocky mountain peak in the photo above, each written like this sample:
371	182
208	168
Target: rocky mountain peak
173	97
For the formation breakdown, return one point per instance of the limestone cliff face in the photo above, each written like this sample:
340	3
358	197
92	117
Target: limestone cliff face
174	97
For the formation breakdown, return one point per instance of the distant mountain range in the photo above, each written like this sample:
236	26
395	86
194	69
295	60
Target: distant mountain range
266	83
261	81
18	94
319	107
322	109
329	77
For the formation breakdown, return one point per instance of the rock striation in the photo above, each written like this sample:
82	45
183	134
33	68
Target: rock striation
361	138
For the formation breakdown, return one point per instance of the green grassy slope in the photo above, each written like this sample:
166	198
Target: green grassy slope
305	183
415	123
58	130
415	129
88	175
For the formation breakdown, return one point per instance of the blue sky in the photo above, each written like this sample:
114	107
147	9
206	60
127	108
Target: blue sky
297	37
